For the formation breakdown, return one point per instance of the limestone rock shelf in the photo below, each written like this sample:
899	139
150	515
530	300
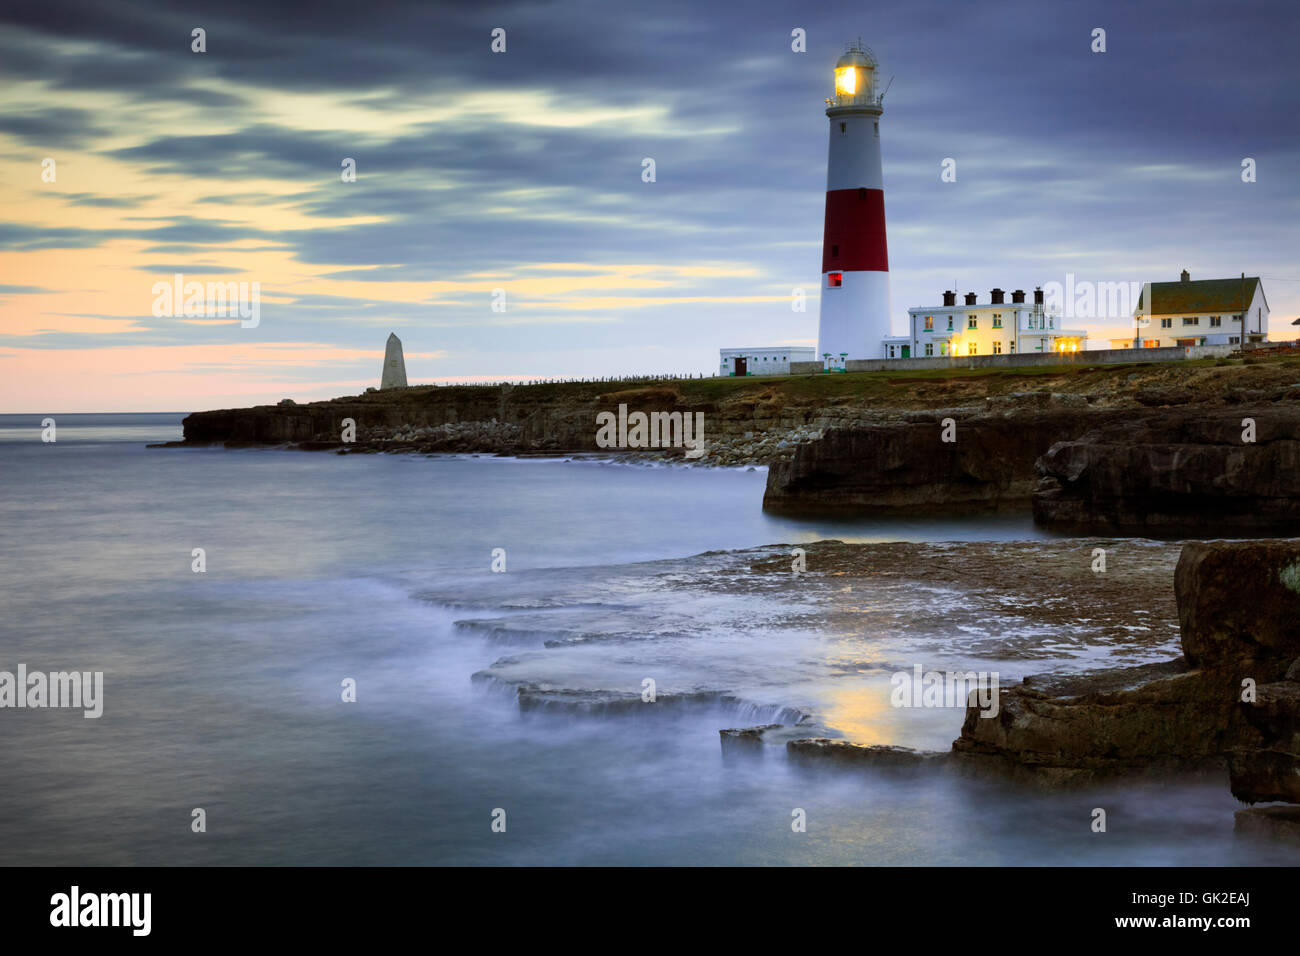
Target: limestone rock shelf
1232	702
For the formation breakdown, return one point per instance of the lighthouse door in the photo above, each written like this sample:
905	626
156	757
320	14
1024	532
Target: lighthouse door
742	366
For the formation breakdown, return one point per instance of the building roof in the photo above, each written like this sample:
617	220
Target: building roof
773	348
1204	295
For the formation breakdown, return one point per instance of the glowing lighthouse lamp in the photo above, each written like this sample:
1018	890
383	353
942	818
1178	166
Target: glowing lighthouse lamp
855	260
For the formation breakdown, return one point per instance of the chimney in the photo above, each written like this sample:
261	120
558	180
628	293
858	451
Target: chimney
996	296
1018	297
970	298
1185	277
1038	297
950	298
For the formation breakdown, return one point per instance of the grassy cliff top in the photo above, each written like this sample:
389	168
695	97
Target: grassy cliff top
1208	380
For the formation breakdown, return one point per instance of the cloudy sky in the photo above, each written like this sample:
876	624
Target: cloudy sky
522	171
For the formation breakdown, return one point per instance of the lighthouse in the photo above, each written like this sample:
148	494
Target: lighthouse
855	262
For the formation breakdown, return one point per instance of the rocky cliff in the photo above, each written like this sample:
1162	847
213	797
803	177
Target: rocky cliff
1239	615
1165	471
1239	610
462	417
1179	470
1142	448
925	465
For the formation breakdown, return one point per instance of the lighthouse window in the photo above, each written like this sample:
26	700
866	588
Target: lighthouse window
835	251
862	192
834	279
844	127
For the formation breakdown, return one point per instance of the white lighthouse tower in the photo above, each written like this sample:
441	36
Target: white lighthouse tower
855	261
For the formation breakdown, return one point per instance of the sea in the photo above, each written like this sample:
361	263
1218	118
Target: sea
311	658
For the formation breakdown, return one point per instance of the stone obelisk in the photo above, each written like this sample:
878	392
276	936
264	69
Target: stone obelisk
394	365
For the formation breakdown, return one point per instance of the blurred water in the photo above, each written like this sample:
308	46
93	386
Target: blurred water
223	689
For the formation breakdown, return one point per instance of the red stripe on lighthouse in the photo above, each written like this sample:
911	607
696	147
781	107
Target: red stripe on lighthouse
854	240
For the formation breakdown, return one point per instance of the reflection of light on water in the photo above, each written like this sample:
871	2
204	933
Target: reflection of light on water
863	713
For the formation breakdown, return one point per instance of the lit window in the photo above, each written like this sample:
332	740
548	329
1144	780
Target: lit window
970	349
997	348
834	279
846	81
929	323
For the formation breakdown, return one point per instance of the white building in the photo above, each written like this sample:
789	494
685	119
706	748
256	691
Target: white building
773	361
1205	312
996	328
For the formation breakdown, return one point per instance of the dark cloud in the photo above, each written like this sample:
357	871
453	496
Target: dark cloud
1068	160
197	270
55	128
104	202
19	236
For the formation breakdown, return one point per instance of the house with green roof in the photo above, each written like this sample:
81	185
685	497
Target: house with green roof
1204	312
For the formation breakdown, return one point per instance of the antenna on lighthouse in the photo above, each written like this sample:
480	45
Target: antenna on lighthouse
886	89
